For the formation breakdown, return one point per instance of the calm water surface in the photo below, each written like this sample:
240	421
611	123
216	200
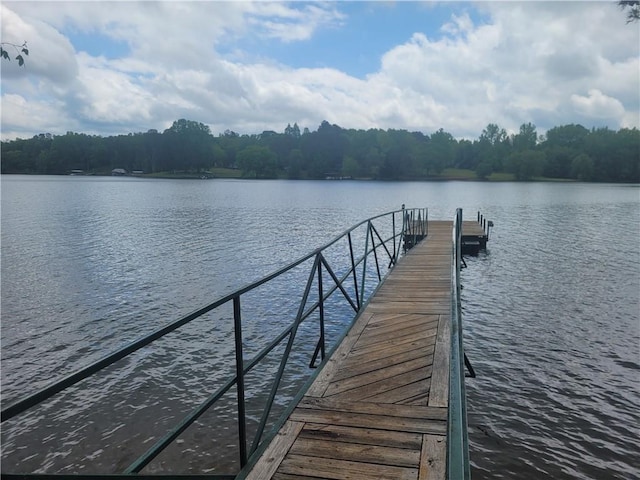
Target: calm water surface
552	322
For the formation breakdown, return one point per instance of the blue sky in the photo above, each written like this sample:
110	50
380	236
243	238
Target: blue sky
356	45
117	67
97	44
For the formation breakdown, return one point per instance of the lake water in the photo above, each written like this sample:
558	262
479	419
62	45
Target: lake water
551	312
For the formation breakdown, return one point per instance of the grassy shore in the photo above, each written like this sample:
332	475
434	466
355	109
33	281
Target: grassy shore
211	173
459	174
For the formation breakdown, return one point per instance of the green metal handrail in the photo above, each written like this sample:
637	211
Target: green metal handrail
375	243
458	467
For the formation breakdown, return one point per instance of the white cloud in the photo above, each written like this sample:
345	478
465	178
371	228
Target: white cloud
105	94
550	63
24	114
526	63
276	20
598	105
51	56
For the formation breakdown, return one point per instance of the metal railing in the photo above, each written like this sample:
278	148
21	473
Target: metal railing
458	441
416	226
485	224
381	236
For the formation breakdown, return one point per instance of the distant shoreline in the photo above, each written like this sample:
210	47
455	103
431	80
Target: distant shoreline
464	176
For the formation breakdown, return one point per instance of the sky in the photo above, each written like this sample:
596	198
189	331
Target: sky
110	68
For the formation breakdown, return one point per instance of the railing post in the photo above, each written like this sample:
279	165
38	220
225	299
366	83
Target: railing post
403	239
320	347
375	251
426	220
242	419
285	357
393	234
321	310
364	264
355	274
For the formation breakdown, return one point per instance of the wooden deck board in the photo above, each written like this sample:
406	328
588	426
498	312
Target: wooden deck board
331	468
378	408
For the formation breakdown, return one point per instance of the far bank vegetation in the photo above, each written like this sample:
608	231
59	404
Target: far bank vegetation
188	148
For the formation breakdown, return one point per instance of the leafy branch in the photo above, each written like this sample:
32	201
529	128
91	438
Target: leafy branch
633	9
21	49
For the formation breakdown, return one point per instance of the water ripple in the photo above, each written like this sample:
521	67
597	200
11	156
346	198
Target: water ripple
551	316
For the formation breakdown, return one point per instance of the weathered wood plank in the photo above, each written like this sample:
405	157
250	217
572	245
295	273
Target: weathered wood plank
276	451
319	386
433	413
433	458
470	227
381	380
439	307
286	476
399	355
364	420
372	339
343	469
439	393
418	377
410	394
389	321
366	436
425	338
368	390
390	348
334	449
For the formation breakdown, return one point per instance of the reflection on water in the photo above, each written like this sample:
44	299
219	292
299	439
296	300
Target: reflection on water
89	264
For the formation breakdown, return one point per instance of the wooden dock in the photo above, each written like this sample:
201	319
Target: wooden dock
474	237
378	409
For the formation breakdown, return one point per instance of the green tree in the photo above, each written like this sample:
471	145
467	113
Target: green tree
493	135
441	148
257	162
155	151
582	167
627	152
218	156
280	144
526	164
231	143
295	162
527	138
350	167
401	161
466	155
189	145
292	131
558	163
570	136
484	169
324	149
493	146
531	165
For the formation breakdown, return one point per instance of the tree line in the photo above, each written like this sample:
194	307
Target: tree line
564	152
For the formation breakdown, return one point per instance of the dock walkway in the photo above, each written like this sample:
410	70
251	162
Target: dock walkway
379	406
